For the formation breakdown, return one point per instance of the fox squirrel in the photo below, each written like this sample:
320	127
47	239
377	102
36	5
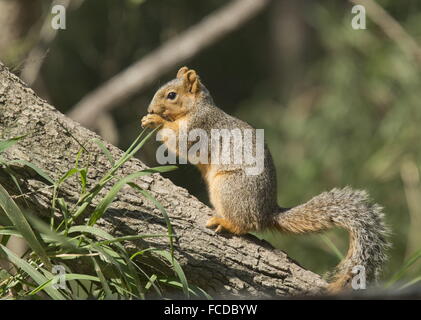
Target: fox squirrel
247	203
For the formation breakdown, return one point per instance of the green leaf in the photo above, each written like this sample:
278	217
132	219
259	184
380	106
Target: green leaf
67	277
332	246
125	267
67	175
38	277
135	142
177	284
177	269
45	229
414	258
410	283
203	292
4	144
4	220
105	151
131	151
95	231
108	199
18	219
11	173
83	179
128	238
163	211
141	252
62	204
105	286
57	184
151	281
122	266
38	170
9	232
192	289
4	239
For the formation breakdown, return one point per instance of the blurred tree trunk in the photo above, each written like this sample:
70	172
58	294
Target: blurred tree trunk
288	34
223	266
17	17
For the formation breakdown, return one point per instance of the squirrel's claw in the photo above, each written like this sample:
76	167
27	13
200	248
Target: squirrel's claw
219	229
215	222
212	222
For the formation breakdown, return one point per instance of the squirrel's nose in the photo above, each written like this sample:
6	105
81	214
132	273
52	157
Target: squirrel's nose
154	109
151	110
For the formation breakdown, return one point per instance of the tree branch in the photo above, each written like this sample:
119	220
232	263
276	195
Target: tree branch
392	29
178	49
223	266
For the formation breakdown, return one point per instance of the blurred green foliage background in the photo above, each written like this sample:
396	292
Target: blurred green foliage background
339	106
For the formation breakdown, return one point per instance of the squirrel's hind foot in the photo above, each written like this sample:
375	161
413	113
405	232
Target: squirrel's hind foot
222	224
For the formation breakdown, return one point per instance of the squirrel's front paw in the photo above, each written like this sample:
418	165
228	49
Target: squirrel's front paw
152	121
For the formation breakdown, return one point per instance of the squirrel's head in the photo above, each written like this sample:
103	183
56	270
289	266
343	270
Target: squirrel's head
178	97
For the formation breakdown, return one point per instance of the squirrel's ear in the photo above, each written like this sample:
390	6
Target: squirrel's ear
182	71
191	80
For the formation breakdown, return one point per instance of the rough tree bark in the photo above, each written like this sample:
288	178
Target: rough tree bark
223	266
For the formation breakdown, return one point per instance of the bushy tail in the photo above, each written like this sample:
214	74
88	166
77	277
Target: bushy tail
351	210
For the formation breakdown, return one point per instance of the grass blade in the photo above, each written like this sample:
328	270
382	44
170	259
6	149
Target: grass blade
67	277
414	258
177	269
9	232
108	199
45	229
332	246
38	277
105	151
163	211
38	170
105	286
93	231
410	283
19	221
128	238
5	144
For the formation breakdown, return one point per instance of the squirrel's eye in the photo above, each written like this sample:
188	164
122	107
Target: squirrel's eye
171	95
